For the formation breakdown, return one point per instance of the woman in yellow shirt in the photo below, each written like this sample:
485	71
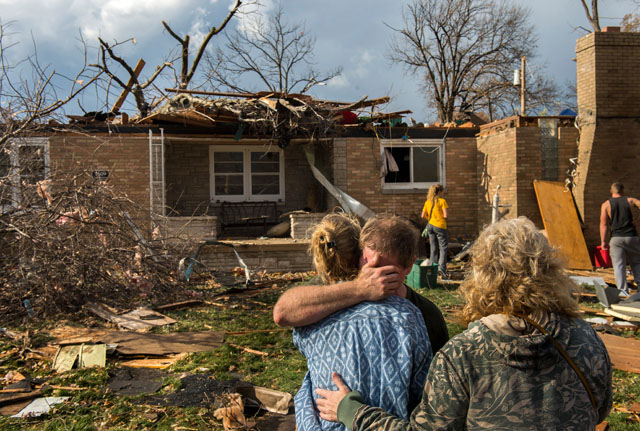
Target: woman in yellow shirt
435	211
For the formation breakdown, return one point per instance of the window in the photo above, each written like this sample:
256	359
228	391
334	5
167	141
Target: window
420	164
23	163
246	173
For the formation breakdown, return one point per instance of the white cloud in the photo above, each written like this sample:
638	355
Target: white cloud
254	16
366	56
340	81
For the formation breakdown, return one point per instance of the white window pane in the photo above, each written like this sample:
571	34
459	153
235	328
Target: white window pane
227	162
426	164
265	184
265	162
228	185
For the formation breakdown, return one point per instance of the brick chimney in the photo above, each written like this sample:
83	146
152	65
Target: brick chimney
609	120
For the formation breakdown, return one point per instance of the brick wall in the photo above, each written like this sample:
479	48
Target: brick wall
274	257
125	156
193	228
512	157
359	176
608	111
302	224
496	161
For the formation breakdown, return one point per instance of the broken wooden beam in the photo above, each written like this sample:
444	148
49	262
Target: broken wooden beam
125	91
209	93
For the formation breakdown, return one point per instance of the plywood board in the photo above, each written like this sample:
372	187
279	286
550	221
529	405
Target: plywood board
140	319
623	316
561	223
632	308
623	352
137	343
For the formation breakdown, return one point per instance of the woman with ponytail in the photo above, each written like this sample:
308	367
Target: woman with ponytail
334	247
435	211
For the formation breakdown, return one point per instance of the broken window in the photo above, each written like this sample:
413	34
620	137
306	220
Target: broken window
23	163
420	164
246	174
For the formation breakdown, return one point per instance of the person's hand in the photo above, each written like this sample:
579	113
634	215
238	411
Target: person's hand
328	401
379	283
604	246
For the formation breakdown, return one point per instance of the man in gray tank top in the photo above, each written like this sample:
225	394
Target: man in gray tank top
616	218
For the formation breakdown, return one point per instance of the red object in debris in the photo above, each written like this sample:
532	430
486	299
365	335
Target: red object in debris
348	117
602	257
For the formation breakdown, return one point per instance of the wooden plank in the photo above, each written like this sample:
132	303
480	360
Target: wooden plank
591	310
125	91
210	93
623	316
623	352
561	223
181	118
632	308
390	115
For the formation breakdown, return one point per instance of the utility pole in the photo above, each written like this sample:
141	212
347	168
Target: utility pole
523	85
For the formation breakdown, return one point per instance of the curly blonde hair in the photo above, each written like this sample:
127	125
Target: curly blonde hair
514	270
334	247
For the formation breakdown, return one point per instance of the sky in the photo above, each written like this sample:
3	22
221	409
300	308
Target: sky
352	34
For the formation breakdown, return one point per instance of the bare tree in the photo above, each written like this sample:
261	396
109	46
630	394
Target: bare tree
499	98
139	87
186	73
463	50
592	14
29	92
276	54
631	21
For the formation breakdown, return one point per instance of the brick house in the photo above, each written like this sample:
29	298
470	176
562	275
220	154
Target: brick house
193	171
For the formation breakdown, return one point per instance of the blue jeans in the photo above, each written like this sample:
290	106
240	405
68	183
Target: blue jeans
438	245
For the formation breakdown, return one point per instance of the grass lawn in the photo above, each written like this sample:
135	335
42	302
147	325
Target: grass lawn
280	366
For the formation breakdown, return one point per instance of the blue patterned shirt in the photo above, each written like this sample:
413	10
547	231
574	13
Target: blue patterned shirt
381	349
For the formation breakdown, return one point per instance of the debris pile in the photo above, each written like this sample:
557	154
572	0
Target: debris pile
278	116
75	240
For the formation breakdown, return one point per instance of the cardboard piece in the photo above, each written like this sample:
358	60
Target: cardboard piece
66	357
623	352
140	319
84	355
137	343
39	406
561	223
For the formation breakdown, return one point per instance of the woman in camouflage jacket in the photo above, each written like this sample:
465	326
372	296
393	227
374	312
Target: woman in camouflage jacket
503	373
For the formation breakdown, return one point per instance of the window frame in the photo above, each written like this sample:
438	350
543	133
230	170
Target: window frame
15	177
413	144
246	151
